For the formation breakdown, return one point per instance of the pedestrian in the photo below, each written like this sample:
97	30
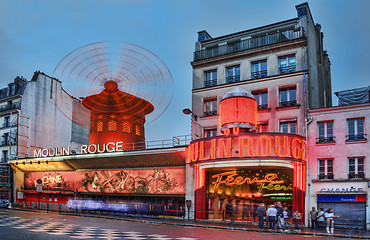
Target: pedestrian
261	213
320	218
285	219
329	216
313	217
228	210
280	217
271	217
296	218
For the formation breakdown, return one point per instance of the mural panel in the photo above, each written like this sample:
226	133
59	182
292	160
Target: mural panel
137	181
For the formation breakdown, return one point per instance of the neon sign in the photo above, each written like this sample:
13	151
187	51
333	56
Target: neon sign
231	180
249	145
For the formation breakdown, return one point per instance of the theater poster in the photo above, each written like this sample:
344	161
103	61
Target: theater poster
133	181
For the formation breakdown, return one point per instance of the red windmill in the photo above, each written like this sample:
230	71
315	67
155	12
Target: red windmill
117	116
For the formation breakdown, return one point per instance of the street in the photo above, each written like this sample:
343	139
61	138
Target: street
34	225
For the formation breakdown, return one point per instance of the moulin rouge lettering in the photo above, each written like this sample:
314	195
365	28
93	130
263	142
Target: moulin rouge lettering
228	178
248	145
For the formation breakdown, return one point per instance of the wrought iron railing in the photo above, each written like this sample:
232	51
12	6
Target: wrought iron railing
259	74
10	107
356	176
326	176
325	139
288	103
210	83
356	137
254	42
210	113
287	69
232	79
263	106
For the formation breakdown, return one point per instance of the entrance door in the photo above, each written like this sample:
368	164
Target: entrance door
351	215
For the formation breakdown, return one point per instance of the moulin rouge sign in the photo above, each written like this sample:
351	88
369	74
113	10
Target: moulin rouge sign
85	149
249	145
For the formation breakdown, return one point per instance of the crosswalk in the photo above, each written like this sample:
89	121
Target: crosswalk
76	231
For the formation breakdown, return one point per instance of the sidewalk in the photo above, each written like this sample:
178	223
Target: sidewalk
219	224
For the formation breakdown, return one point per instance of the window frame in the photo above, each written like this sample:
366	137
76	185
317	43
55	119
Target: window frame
213	104
289	100
211	82
326	174
326	137
356	136
356	174
261	72
288	68
234	77
258	95
289	127
261	126
210	132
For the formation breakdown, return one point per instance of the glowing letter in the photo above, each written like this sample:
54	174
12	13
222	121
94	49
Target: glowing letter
296	151
83	149
247	145
278	146
224	147
267	145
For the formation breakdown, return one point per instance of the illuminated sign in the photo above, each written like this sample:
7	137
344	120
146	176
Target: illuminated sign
42	166
92	148
136	181
250	145
340	190
250	183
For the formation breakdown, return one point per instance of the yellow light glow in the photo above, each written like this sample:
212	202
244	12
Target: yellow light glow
42	166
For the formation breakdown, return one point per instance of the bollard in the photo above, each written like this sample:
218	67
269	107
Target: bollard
47	207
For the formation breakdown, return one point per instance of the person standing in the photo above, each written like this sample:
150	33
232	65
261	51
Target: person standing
320	218
280	217
261	213
296	218
313	217
271	217
285	219
329	215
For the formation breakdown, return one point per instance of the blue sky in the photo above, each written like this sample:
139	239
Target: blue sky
38	34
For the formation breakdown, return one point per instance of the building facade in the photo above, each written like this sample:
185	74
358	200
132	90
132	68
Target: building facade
338	161
282	64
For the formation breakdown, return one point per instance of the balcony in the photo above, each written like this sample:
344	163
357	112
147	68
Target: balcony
259	74
10	107
210	113
251	43
210	83
287	69
233	79
325	177
325	139
288	103
356	137
358	176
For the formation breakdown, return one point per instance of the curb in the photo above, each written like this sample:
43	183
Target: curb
201	225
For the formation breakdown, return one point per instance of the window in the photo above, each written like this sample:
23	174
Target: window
325	132
356	168
6	122
112	126
287	64
355	129
259	69
288	97
5	140
233	74
210	107
210	78
288	127
263	127
4	157
210	132
139	130
325	169
261	98
126	127
99	126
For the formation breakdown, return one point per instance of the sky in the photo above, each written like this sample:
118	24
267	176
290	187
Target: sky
38	34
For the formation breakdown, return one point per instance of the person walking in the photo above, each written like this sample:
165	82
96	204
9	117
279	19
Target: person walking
296	218
261	213
329	215
285	219
313	217
271	217
320	218
280	217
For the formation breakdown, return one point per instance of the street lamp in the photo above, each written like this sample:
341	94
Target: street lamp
187	111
